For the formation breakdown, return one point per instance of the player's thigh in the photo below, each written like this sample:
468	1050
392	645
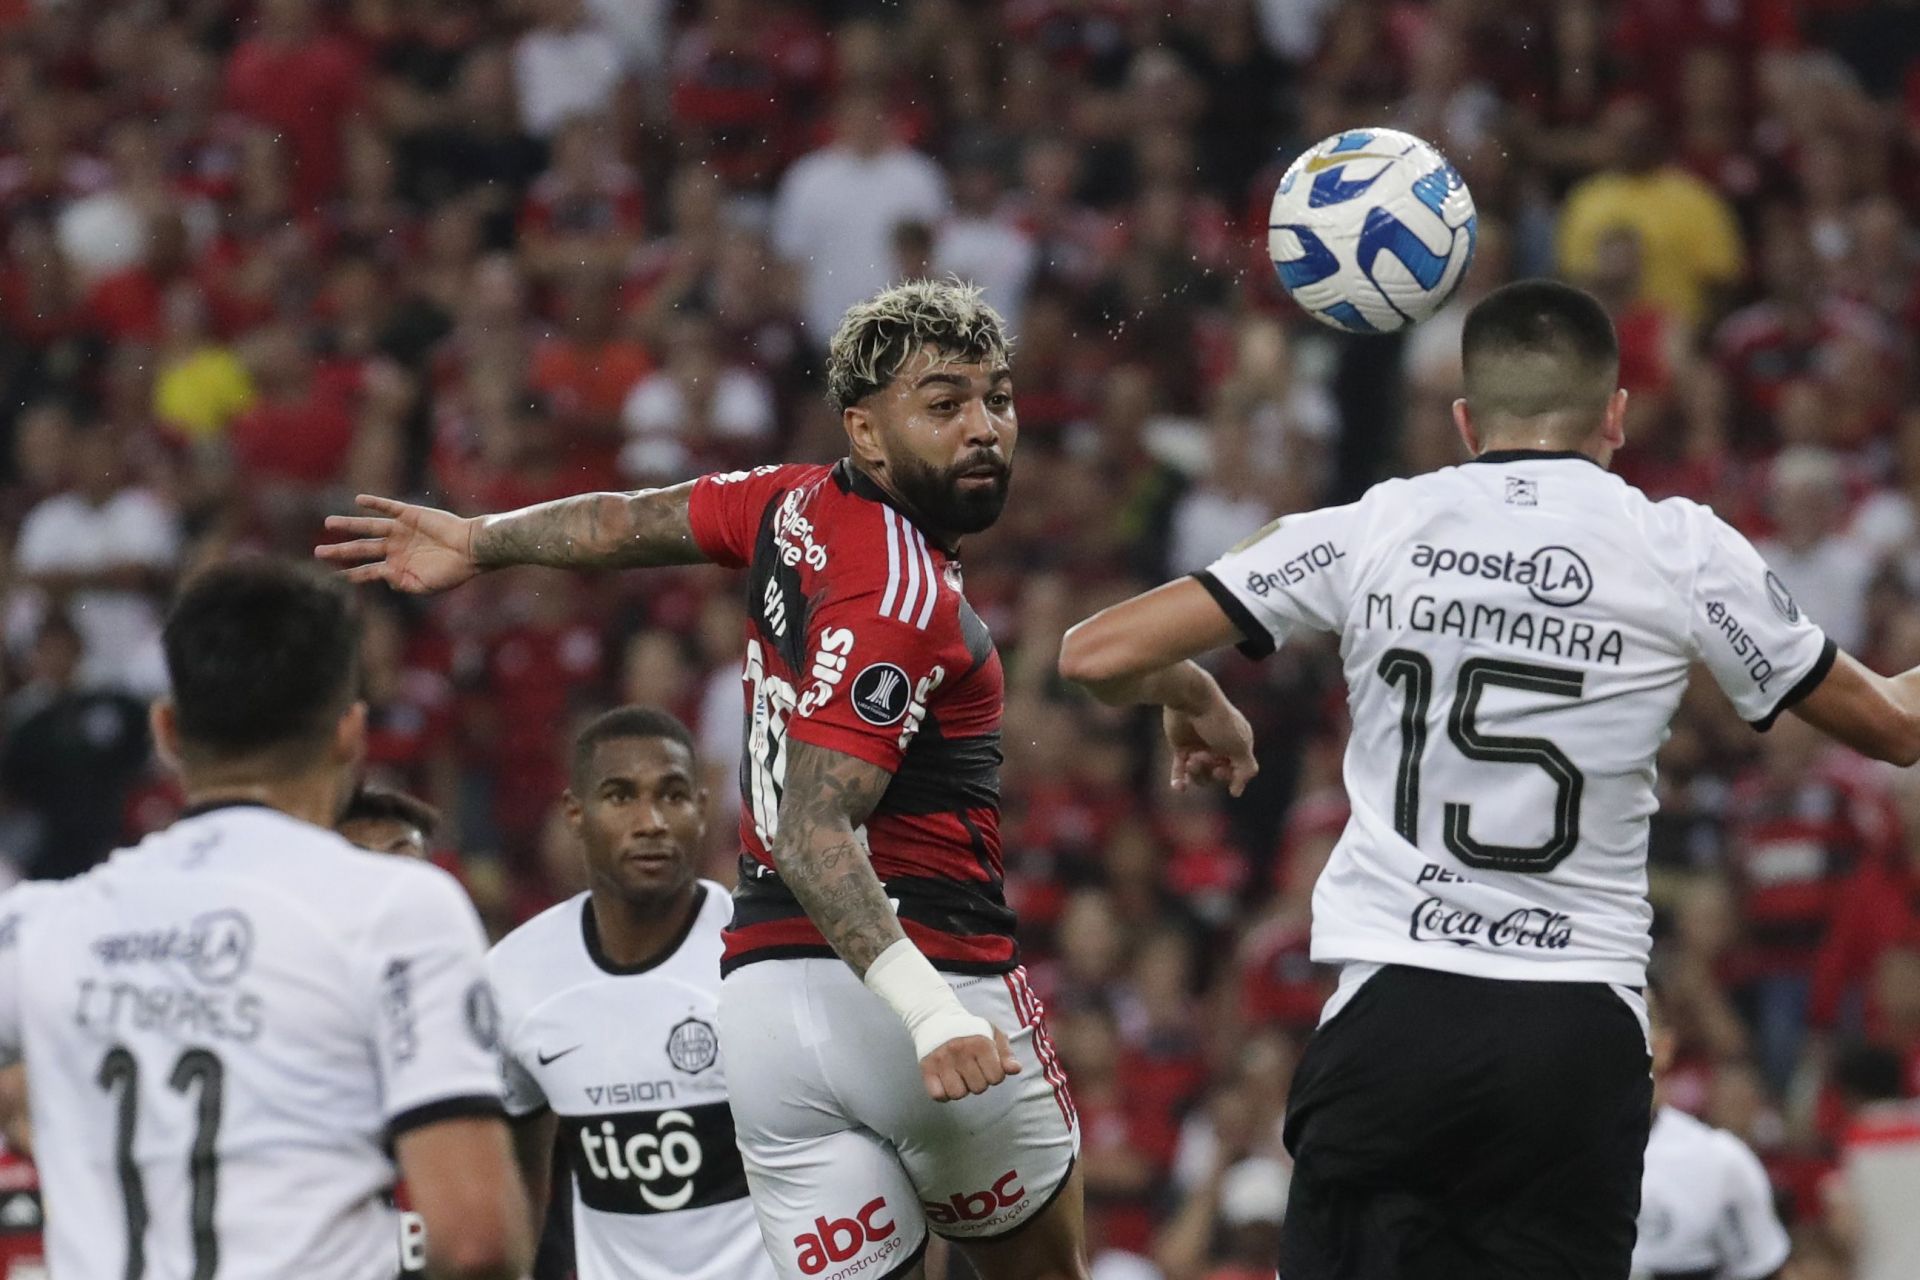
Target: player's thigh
831	1196
1049	1245
838	1205
990	1164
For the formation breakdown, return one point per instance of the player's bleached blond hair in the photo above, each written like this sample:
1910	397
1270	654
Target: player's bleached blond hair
878	336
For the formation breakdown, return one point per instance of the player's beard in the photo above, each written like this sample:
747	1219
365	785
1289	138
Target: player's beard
941	502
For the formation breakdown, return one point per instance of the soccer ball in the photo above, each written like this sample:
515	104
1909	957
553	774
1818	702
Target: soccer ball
1371	230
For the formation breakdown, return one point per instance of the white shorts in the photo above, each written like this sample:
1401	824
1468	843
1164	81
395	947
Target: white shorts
848	1159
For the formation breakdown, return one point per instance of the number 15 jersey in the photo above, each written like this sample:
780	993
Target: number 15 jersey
1516	634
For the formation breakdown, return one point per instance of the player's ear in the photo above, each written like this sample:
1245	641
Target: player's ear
350	735
1613	424
863	436
163	718
572	810
700	805
1463	423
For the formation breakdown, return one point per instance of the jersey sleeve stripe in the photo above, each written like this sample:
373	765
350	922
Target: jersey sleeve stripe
455	1108
1255	640
912	594
893	564
933	583
1804	686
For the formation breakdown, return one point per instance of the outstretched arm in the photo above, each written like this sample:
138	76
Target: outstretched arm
1138	650
1876	715
592	531
818	853
422	550
1141	650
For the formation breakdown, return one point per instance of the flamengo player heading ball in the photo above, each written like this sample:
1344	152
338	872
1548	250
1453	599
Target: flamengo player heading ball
871	816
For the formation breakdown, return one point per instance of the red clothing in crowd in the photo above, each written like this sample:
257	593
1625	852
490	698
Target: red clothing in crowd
303	441
304	91
1793	848
1879	908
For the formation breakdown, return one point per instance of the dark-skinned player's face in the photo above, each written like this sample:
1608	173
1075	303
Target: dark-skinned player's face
640	814
386	835
943	432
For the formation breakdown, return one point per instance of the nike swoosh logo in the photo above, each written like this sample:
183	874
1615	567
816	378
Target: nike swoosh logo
1319	163
546	1061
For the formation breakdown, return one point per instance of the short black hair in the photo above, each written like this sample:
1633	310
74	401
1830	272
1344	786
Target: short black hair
373	803
262	655
627	722
1539	347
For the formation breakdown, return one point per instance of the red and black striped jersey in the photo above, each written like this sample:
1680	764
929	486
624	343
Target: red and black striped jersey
860	640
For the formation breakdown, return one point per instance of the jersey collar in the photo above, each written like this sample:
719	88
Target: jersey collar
1531	455
590	934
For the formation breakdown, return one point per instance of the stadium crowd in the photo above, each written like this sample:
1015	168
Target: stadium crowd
258	256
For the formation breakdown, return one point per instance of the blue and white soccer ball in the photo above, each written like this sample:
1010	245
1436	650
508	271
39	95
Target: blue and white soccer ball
1371	230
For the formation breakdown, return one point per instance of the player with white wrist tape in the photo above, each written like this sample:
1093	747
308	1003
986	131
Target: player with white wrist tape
886	1062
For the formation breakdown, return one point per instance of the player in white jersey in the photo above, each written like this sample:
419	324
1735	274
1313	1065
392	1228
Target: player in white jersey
387	821
1706	1207
228	1028
382	820
1516	634
609	1011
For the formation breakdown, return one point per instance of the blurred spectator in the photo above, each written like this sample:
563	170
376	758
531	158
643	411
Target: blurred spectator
698	412
1690	241
104	551
200	386
1880	1166
300	80
565	66
1825	570
584	212
837	207
981	243
1808	816
1764	347
69	755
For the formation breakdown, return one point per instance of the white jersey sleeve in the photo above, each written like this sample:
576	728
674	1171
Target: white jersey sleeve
1752	1243
14	905
1765	654
436	1022
1293	575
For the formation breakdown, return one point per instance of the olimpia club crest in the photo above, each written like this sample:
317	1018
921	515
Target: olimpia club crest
692	1046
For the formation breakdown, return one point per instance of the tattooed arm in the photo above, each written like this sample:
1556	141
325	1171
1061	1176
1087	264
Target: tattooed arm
421	550
592	531
826	796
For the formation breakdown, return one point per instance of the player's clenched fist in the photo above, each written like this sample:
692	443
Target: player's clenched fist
968	1065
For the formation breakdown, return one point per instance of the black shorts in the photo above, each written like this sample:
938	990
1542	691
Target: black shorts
1454	1128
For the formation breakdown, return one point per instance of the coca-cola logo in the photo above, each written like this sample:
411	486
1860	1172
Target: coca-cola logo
1525	928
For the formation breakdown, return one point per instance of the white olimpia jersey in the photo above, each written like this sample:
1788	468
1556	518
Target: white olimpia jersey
628	1060
1706	1208
224	1028
1516	634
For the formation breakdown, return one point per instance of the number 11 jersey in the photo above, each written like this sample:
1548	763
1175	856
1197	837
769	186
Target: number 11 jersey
225	1029
1517	634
